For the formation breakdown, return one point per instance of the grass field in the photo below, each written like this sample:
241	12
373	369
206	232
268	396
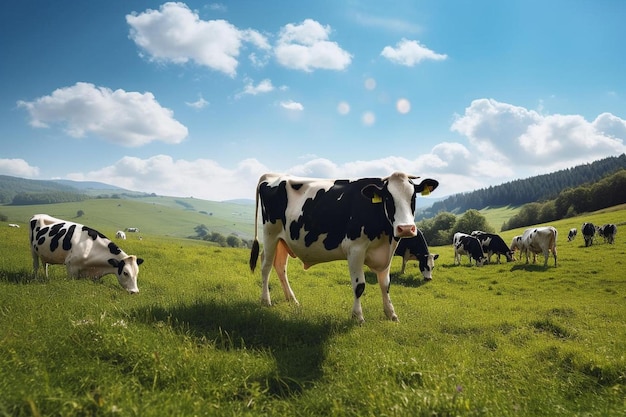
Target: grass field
499	340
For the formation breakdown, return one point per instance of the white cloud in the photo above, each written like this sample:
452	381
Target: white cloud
410	53
520	137
161	174
264	86
292	105
124	118
174	33
198	104
306	47
17	168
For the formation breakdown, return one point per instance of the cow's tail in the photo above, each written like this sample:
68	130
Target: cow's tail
254	253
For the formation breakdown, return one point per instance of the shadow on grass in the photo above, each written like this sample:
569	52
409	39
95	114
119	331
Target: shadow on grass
21	277
531	267
296	344
406	280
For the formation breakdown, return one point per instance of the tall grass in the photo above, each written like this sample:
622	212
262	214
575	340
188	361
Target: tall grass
500	340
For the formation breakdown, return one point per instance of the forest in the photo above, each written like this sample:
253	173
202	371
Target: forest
534	189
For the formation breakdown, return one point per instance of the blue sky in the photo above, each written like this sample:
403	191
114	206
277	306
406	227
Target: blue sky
199	98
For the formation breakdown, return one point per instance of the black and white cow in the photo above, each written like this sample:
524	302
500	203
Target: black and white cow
465	244
589	231
537	240
493	245
608	232
571	235
84	251
323	220
416	249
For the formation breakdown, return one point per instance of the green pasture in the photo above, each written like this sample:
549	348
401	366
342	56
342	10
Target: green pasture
505	339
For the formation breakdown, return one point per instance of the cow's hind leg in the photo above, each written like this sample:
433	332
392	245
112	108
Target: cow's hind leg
280	265
267	259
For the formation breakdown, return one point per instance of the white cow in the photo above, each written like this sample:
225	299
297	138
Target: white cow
120	235
84	251
537	240
323	220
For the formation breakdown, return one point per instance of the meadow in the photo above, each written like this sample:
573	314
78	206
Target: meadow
505	339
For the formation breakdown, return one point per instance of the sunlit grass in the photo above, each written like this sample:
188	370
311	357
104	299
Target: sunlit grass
499	340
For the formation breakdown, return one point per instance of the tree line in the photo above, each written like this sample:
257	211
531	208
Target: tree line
608	192
522	191
231	241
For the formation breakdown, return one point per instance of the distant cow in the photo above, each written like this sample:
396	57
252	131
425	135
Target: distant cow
493	245
14	225
132	229
571	235
589	231
416	249
608	232
120	235
84	251
537	240
465	244
323	220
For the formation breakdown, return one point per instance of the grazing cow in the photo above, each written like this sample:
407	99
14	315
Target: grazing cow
608	232
132	229
465	244
323	220
493	244
416	249
84	251
14	225
539	240
589	231
516	244
120	235
572	234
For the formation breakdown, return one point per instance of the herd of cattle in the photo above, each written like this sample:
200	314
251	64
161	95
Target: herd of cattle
365	221
606	231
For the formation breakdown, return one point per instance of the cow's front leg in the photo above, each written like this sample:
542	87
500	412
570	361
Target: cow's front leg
357	277
385	282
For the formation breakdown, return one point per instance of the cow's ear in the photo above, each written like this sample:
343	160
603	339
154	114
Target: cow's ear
436	256
372	192
139	261
426	186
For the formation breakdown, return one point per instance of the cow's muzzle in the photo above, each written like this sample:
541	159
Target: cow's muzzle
407	230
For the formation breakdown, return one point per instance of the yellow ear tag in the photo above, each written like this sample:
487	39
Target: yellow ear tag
426	191
377	199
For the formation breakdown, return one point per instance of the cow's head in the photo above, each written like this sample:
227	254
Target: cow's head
427	264
127	271
481	260
398	193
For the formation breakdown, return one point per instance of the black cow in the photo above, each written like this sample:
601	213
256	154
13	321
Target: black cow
608	232
493	244
572	234
465	244
416	249
589	231
323	220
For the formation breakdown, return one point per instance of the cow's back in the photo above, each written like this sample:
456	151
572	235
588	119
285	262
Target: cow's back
314	217
51	238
